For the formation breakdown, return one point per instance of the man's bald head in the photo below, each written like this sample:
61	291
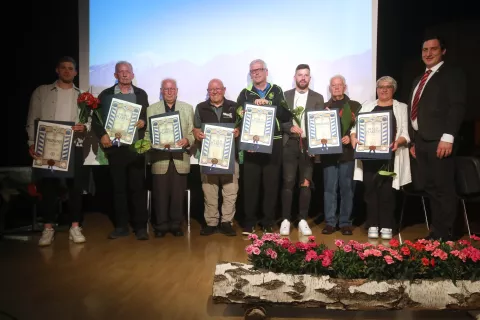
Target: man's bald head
216	92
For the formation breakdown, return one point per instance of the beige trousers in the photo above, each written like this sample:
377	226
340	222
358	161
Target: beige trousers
210	185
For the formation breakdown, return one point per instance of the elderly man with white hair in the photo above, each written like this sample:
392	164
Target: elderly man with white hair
379	189
338	168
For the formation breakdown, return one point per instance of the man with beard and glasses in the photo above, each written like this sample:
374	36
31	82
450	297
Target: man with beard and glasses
295	156
58	102
127	168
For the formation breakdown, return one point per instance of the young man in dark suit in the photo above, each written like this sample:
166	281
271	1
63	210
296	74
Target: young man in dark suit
437	107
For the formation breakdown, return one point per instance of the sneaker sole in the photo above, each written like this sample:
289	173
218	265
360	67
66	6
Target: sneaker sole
386	237
373	236
45	244
71	239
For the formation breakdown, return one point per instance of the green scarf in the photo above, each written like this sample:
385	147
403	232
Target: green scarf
346	118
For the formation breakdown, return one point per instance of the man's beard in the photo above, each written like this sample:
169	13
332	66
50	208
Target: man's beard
302	86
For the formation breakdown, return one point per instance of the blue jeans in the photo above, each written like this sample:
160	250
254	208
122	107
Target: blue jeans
340	174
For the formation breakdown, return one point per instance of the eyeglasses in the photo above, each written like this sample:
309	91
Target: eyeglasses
215	89
384	87
257	70
169	89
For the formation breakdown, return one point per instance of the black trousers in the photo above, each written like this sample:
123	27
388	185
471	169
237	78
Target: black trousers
53	190
168	198
262	170
379	195
437	178
294	160
127	171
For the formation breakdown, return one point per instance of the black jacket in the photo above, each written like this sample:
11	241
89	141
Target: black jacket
275	95
104	97
441	107
347	154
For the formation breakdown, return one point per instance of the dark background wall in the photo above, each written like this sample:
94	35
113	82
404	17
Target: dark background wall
43	31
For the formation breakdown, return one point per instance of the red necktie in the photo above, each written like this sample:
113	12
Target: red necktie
418	93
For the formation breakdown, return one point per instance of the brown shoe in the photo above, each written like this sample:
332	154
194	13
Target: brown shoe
346	231
329	229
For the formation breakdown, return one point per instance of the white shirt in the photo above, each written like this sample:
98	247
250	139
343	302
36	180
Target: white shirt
63	109
445	137
300	100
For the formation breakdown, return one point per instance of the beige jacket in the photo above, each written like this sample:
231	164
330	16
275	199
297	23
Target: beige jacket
161	159
43	103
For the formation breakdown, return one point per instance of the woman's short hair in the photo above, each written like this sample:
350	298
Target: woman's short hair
388	79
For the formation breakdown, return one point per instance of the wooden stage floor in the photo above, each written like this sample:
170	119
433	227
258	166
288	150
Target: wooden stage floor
167	278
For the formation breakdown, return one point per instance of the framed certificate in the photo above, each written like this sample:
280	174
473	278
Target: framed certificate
53	146
258	128
374	134
166	131
122	117
217	154
324	132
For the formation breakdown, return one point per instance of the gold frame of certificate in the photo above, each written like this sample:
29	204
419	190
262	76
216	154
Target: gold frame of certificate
374	134
217	147
53	145
122	117
324	132
258	128
166	131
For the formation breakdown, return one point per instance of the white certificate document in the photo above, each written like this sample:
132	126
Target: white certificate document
216	147
52	146
122	117
258	125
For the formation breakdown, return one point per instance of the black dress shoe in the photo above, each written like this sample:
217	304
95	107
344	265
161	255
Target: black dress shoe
119	232
346	231
227	229
141	234
329	229
160	233
208	230
177	233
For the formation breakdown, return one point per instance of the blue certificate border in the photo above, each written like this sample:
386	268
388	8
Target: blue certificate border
382	151
155	133
116	104
333	146
224	162
231	167
246	140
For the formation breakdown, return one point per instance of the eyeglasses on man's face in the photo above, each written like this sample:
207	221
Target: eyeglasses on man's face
253	71
169	89
215	90
385	87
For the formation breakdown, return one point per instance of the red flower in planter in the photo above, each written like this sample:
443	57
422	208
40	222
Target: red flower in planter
425	262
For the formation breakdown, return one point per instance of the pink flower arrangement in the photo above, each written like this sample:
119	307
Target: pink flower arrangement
422	259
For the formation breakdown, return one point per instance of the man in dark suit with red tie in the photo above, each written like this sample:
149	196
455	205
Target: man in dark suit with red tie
437	107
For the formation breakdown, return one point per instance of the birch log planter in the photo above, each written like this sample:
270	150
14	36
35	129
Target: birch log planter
238	283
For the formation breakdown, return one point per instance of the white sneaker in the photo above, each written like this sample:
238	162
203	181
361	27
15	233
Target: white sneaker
47	237
373	232
76	235
285	228
304	228
386	233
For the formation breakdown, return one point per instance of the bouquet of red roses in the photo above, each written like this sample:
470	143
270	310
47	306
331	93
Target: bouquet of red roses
88	105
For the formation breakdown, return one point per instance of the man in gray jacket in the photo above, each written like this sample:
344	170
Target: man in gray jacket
295	157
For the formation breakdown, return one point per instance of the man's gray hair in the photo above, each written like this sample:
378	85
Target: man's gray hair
123	62
388	79
338	76
259	61
169	80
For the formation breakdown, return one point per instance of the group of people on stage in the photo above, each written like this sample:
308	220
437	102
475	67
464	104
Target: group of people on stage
424	131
